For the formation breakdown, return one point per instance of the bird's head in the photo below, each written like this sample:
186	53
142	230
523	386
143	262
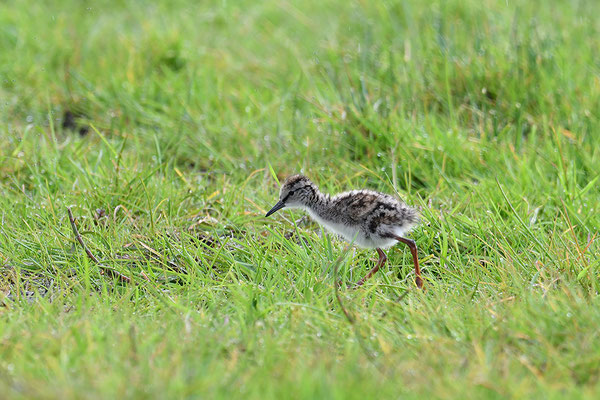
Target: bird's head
296	192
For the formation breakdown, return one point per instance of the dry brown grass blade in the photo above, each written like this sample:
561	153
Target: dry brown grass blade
104	269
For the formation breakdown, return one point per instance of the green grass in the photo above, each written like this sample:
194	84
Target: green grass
484	114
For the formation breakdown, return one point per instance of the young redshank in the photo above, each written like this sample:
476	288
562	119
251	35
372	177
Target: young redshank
367	218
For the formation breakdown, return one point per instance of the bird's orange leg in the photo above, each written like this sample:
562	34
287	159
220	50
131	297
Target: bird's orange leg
382	260
413	249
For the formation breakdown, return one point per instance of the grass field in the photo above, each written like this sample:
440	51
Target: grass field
166	125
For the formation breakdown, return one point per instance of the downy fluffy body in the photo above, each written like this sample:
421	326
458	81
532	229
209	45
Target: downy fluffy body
366	218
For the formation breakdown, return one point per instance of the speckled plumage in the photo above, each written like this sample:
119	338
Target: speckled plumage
367	218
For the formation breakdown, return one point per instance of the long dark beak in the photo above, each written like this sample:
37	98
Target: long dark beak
278	206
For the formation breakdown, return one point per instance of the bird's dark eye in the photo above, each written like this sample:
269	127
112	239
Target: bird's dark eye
291	193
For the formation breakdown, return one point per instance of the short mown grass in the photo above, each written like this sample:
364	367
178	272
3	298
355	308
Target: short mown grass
166	128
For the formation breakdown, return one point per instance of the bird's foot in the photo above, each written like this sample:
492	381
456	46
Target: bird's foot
419	282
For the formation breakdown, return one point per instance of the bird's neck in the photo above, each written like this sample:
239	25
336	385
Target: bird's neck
320	206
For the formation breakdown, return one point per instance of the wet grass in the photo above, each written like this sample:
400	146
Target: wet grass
165	126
